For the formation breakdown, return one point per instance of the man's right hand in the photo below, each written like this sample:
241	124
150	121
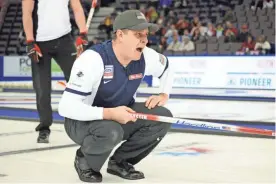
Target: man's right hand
121	114
33	51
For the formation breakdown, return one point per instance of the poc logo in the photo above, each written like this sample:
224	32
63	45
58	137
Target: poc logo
25	66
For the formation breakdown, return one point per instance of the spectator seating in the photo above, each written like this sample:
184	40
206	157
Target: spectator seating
237	12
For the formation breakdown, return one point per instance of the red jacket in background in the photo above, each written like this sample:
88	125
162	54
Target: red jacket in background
234	30
250	46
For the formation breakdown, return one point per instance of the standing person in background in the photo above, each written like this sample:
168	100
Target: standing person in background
47	28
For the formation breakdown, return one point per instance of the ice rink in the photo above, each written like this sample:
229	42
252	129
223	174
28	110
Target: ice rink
180	158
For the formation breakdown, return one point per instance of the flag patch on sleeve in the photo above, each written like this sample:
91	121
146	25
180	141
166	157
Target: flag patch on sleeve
162	59
135	76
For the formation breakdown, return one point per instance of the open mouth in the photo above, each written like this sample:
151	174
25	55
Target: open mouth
139	49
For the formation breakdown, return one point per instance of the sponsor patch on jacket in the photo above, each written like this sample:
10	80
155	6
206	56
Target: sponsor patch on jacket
135	76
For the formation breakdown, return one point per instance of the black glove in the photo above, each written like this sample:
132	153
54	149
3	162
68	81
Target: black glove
33	51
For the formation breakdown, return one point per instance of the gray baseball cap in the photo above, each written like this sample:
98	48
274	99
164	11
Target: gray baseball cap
133	20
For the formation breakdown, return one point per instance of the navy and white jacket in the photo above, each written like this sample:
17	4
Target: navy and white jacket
98	81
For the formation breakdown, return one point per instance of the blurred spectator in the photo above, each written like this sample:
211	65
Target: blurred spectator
195	35
262	45
107	26
268	4
184	3
161	32
195	22
171	38
170	31
230	33
165	3
171	17
260	4
162	44
152	39
178	3
243	34
255	6
152	14
219	30
187	44
186	33
181	25
248	45
211	30
175	45
160	20
229	16
202	29
172	26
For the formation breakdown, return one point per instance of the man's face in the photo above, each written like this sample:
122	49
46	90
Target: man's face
134	42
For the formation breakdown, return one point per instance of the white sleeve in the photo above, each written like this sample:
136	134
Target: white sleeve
257	45
158	65
266	45
85	76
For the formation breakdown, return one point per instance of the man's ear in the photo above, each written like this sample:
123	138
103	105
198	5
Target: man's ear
120	34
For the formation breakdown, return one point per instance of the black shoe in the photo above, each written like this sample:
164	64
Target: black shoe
124	170
85	173
43	136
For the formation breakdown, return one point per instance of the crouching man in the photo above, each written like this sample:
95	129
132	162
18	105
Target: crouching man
99	99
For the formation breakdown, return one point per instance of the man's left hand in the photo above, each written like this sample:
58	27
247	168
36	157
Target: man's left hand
81	43
157	100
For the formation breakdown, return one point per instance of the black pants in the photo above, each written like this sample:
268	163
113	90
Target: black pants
63	51
98	138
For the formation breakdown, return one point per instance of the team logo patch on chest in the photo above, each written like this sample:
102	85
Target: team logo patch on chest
108	72
135	76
